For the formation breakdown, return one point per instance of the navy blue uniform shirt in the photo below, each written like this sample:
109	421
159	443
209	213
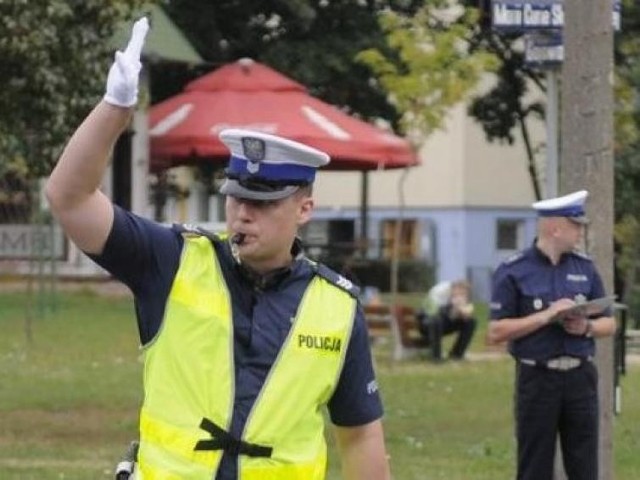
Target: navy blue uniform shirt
527	283
145	256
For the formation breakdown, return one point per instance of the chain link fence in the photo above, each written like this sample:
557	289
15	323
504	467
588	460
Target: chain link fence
30	244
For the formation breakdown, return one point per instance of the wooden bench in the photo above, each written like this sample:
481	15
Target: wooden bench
398	323
378	319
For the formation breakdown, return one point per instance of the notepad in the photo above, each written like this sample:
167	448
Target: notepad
588	308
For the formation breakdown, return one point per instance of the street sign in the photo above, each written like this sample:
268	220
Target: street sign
543	49
526	14
523	15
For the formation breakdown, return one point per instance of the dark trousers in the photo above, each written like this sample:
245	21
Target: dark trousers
550	403
438	326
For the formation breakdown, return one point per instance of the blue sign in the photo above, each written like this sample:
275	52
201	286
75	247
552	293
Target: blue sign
523	15
543	49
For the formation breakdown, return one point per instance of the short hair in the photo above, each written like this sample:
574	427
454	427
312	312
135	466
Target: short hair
461	284
305	190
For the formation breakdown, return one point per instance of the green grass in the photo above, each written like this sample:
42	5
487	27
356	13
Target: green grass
69	401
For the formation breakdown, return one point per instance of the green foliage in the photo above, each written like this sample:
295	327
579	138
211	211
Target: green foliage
504	107
627	232
55	55
413	275
627	151
627	119
431	68
500	109
312	41
627	229
504	110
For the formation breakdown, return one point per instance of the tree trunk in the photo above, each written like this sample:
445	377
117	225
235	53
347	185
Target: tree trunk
587	162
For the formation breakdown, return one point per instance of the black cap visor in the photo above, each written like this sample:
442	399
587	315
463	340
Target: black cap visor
252	191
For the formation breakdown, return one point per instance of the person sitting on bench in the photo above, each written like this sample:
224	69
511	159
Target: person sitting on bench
448	309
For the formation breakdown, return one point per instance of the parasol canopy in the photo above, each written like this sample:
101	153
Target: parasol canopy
246	94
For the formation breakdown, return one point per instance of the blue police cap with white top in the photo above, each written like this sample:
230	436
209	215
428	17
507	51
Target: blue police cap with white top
570	206
267	167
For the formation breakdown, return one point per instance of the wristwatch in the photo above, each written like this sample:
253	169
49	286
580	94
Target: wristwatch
588	333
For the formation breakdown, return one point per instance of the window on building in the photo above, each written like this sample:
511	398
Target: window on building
329	238
342	236
509	234
409	239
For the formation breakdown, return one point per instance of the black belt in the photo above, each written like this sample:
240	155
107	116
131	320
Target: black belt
223	440
562	363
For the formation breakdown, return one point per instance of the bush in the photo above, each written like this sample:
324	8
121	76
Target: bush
413	275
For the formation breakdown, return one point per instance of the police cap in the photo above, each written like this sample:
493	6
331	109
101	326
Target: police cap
267	167
570	206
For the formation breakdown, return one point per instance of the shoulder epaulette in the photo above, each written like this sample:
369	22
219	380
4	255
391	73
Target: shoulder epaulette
190	230
336	279
511	259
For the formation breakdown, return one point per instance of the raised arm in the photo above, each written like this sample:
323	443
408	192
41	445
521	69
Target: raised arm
85	213
362	452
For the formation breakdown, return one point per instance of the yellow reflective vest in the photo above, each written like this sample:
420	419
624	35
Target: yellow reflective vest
189	381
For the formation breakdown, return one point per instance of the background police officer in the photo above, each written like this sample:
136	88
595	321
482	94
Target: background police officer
245	338
556	379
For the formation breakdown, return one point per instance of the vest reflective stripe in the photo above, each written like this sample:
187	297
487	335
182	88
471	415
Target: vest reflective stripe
189	375
173	455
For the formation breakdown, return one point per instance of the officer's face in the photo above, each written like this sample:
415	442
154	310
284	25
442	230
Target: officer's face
268	227
569	233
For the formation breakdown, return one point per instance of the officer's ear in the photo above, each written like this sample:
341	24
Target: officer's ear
305	209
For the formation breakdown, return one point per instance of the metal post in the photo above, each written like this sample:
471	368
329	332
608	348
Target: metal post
551	170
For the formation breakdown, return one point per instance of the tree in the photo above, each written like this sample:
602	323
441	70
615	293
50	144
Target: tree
627	155
627	119
316	42
312	41
55	55
431	68
504	109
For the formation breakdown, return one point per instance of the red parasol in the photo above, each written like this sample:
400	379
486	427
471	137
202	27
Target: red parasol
247	94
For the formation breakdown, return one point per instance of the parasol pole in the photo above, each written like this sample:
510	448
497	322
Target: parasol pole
363	244
395	261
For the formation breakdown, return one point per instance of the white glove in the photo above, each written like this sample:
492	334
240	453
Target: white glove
122	82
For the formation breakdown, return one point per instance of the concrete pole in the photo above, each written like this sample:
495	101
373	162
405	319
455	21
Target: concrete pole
140	165
140	200
587	162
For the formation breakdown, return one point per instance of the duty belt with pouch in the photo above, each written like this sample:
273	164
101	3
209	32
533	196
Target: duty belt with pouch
562	363
126	468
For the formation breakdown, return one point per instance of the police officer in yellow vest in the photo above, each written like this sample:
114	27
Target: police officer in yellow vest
245	339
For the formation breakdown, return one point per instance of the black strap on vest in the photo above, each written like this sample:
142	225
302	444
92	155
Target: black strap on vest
223	440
